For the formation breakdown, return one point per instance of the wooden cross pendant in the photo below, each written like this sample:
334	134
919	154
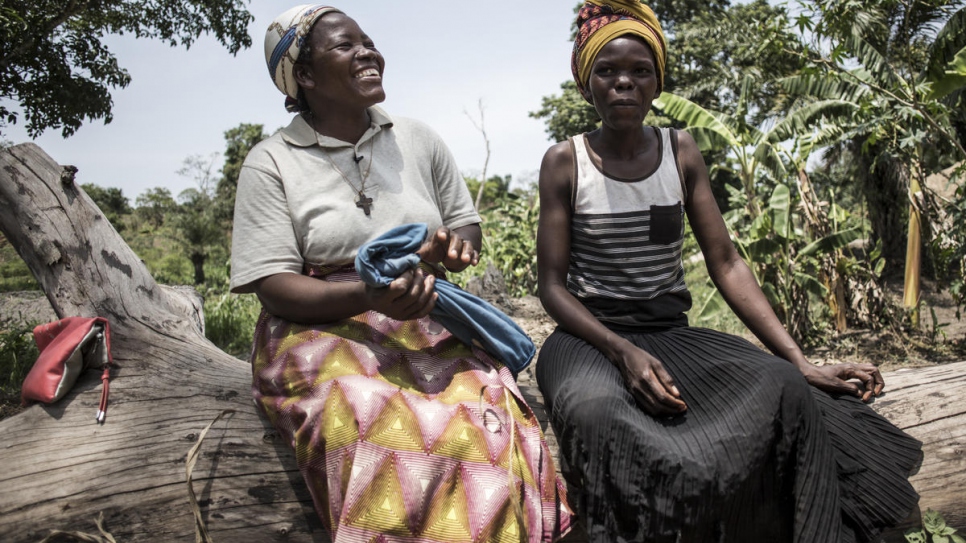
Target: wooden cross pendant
364	202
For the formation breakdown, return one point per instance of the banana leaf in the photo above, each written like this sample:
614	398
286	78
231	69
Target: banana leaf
831	242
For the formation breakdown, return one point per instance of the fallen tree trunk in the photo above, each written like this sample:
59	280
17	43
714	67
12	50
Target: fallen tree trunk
60	469
928	403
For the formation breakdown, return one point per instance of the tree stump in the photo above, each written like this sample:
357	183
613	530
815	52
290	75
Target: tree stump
61	469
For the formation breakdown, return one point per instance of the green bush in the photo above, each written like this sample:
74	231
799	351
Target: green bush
230	320
934	530
510	241
17	354
14	273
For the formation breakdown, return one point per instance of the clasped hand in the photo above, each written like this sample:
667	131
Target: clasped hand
837	379
448	248
650	384
412	295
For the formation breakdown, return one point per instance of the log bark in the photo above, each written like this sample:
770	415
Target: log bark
60	469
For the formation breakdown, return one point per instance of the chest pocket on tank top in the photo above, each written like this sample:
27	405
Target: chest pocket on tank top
666	224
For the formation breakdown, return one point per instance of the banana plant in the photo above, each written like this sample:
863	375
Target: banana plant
775	236
891	107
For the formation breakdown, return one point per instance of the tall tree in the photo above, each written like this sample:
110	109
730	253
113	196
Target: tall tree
717	53
199	230
54	64
112	203
154	205
567	113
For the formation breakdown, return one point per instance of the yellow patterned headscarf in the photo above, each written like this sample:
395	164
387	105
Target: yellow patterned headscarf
283	41
600	21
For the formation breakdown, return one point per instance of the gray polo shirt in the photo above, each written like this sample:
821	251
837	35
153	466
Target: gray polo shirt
294	208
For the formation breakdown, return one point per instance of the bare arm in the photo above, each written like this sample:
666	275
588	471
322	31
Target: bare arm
307	300
304	299
738	286
646	378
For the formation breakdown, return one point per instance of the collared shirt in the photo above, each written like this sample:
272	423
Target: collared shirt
293	206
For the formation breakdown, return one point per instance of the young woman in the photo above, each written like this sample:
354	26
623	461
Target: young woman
401	431
669	432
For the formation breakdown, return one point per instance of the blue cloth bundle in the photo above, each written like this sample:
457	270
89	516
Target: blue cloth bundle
469	318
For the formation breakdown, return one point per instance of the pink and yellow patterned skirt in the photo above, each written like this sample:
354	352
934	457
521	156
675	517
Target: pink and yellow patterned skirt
404	433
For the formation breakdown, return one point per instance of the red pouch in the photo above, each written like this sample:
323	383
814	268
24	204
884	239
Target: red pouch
68	347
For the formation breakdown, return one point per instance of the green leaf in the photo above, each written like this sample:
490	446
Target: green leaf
712	305
764	250
694	116
957	539
951	38
916	536
803	120
767	154
831	242
771	294
762	226
952	79
933	522
879	266
826	87
875	67
811	284
780	205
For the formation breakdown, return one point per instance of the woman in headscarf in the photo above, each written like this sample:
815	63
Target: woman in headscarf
401	431
671	433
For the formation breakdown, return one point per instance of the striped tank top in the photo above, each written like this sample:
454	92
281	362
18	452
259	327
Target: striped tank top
626	242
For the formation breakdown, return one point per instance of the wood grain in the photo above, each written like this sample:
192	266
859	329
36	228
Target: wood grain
59	469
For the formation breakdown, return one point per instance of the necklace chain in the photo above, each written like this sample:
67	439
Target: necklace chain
364	202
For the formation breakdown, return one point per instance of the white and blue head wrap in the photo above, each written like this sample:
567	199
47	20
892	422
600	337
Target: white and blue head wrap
282	44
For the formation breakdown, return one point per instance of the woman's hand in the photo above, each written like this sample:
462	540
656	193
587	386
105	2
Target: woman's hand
650	384
836	379
447	247
412	295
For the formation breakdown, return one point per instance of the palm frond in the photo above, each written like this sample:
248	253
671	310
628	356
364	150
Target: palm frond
875	64
825	135
949	40
803	120
829	87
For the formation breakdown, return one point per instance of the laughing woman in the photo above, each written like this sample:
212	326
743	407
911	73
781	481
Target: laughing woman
401	431
672	433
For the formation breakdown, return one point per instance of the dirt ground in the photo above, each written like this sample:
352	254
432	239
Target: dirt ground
885	348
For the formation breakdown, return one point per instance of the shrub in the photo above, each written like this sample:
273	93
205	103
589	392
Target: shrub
510	242
17	354
230	320
934	530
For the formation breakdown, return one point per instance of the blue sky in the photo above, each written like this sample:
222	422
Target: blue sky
442	57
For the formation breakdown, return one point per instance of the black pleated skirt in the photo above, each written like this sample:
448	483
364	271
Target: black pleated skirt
759	455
